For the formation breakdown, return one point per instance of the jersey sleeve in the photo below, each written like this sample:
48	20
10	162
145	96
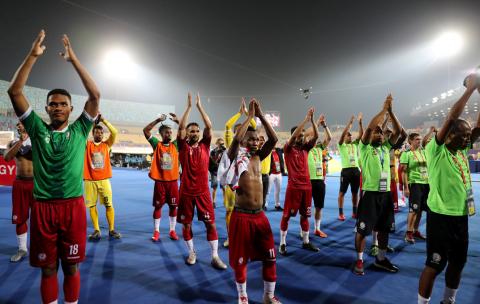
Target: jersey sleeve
206	138
153	142
404	158
31	122
83	124
432	149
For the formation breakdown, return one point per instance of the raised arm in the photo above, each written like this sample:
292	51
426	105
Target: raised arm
272	136
240	134
91	106
300	127
476	131
13	148
427	137
113	131
360	126
346	130
328	134
147	131
182	132
205	118
376	120
397	128
456	110
15	91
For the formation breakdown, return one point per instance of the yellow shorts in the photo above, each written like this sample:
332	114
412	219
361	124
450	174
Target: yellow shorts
229	200
98	190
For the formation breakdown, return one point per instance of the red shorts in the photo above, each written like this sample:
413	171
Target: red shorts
250	238
22	200
58	230
187	205
298	200
165	192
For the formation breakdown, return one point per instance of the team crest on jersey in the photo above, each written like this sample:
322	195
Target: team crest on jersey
182	217
436	258
362	225
240	260
14	217
67	135
415	206
47	139
374	152
42	256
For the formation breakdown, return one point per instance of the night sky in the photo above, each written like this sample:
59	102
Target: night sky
353	53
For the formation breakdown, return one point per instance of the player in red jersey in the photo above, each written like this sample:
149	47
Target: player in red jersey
298	197
194	155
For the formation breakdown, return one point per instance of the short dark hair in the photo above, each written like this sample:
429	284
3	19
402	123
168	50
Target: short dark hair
61	92
293	130
97	127
192	124
163	128
412	136
457	123
250	128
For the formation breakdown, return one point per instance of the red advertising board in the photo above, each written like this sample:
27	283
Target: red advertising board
8	171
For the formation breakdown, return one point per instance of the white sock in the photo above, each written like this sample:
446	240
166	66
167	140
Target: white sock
242	289
381	254
189	244
317	224
214	247
375	238
305	237
269	289
156	224
22	241
283	237
173	222
360	256
449	295
71	302
53	302
422	300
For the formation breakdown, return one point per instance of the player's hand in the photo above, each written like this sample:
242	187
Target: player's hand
309	115
243	107
189	100
174	118
433	129
23	136
99	119
360	116
258	109
321	120
162	117
471	81
68	54
251	109
37	48
406	192
198	102
387	105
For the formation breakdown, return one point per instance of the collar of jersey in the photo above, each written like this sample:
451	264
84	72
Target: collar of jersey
61	131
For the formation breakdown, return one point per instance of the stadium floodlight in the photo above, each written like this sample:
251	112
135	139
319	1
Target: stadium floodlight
119	64
434	99
447	44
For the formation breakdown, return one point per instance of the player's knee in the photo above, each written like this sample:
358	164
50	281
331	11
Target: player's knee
49	270
187	232
21	228
69	269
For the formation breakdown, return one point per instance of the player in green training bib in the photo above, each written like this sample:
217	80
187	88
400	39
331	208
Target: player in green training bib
415	179
350	175
58	220
450	200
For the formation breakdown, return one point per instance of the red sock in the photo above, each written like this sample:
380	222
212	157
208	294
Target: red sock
241	273
21	228
187	233
49	288
157	213
269	271
211	233
71	287
304	223
284	223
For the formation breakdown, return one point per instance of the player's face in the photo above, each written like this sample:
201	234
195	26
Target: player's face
20	128
348	138
58	108
220	143
166	134
415	142
261	141
460	139
377	136
252	140
193	134
300	138
97	135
